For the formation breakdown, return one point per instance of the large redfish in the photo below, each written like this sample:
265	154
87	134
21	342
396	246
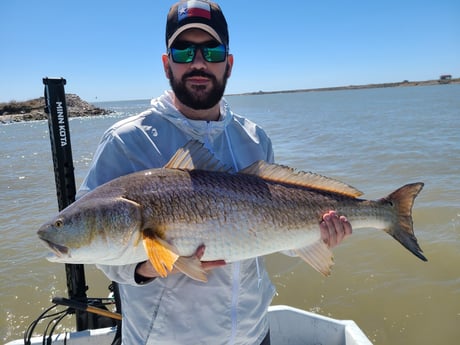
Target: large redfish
195	200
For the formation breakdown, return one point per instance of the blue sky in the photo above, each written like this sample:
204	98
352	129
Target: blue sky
111	50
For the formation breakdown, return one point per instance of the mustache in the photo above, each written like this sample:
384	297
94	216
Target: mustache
198	73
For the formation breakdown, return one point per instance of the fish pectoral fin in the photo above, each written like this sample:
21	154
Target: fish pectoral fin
191	266
160	254
163	257
318	255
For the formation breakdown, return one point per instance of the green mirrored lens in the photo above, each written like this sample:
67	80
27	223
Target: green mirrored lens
181	54
214	54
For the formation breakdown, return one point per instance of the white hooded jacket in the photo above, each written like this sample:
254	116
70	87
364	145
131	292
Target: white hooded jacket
231	307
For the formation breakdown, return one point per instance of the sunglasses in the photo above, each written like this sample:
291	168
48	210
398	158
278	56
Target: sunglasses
185	52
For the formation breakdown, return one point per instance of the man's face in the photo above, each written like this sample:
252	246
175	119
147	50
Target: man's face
199	84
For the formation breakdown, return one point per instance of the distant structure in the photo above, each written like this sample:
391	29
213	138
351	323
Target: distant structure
445	78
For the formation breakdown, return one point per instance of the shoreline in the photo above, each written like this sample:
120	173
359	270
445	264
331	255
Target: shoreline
33	110
404	83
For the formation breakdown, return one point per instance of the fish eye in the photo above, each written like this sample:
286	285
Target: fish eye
59	223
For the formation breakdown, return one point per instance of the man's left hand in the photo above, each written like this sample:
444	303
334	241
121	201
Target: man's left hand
334	229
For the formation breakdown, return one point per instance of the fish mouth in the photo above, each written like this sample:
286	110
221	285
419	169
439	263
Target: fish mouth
57	249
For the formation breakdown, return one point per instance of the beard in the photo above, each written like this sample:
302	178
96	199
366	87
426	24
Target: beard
198	97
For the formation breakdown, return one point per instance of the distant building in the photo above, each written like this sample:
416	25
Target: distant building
445	78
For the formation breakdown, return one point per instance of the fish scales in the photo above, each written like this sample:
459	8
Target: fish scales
175	209
254	216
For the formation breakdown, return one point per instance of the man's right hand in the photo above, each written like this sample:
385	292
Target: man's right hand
145	269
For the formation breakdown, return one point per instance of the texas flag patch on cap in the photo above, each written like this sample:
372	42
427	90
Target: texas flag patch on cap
193	9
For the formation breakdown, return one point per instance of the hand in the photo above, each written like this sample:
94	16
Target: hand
146	269
334	229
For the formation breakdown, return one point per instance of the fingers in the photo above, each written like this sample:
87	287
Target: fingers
334	229
200	251
208	265
348	230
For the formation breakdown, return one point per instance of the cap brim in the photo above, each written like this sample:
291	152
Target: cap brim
199	26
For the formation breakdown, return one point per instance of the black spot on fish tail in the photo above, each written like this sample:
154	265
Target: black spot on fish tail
402	200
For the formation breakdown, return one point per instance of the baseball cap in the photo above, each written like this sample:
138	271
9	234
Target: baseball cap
196	14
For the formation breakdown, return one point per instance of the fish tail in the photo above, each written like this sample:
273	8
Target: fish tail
402	200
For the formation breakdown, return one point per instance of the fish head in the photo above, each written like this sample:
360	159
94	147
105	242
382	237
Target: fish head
92	231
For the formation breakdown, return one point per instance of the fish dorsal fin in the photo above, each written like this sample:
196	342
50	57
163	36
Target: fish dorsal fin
283	174
194	156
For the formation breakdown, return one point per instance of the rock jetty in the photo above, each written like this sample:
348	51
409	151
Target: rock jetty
35	109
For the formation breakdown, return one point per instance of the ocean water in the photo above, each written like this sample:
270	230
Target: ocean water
374	139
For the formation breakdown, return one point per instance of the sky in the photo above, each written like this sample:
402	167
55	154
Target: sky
111	50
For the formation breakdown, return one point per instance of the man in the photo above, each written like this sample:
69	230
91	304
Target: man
231	307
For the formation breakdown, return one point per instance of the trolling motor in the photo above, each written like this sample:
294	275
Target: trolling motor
90	313
61	150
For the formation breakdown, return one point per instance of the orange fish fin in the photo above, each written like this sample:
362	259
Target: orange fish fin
318	255
194	156
283	174
160	254
191	266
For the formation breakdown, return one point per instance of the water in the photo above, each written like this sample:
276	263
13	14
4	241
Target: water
374	139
